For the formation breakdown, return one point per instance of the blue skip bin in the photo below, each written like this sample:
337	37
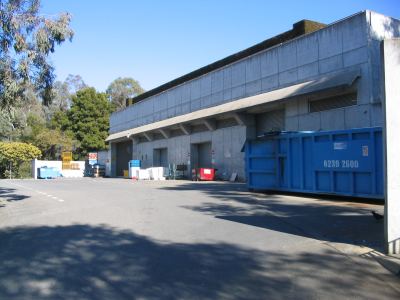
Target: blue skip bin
135	163
345	163
47	173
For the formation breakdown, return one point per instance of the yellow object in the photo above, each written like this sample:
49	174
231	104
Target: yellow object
66	165
66	156
126	173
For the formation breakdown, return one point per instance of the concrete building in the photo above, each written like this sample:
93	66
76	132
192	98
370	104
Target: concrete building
313	77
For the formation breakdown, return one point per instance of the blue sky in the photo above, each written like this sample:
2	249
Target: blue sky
155	41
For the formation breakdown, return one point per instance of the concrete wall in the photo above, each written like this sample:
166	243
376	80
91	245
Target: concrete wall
350	44
391	94
35	164
226	144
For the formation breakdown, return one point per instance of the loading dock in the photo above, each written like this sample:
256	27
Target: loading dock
328	78
160	157
201	154
124	155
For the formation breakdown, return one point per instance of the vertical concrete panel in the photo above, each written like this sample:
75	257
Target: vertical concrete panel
307	71
227	146
376	115
171	96
205	85
310	121
374	56
253	87
253	68
287	77
206	101
185	97
269	63
227	77
365	85
355	57
307	49
217	98
238	140
269	83
287	56
333	119
195	89
354	32
238	73
217	146
291	108
357	116
292	123
391	89
227	95
217	81
172	151
239	91
331	64
163	101
330	42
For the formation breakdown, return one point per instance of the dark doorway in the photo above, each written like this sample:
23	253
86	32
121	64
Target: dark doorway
201	155
160	157
124	155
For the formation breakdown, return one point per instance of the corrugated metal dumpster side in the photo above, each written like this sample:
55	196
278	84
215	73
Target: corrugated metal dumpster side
347	162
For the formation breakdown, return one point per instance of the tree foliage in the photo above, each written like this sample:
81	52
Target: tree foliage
26	39
51	141
63	92
13	154
122	89
88	119
17	152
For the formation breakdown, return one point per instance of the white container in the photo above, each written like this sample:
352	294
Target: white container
156	173
143	174
133	172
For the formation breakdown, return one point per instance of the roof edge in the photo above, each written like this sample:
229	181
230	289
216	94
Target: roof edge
300	28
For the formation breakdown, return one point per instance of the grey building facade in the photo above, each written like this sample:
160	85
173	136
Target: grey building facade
317	78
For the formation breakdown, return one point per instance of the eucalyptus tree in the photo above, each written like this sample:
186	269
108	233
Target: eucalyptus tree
122	89
26	40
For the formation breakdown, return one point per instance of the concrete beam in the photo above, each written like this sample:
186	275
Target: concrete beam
210	124
135	139
185	129
240	118
390	51
165	133
148	136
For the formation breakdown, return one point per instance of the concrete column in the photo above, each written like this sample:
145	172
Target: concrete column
135	142
390	51
113	161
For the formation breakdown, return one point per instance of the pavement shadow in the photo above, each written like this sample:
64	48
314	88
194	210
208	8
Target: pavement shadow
101	262
9	195
319	219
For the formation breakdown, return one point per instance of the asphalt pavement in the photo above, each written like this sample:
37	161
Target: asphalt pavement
122	239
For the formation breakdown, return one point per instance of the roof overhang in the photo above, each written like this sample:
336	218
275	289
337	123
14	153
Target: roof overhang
341	80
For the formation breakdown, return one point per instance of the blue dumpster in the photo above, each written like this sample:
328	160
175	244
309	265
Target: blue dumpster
134	163
47	173
345	162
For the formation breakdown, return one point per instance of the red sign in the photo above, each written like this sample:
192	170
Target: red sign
92	156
